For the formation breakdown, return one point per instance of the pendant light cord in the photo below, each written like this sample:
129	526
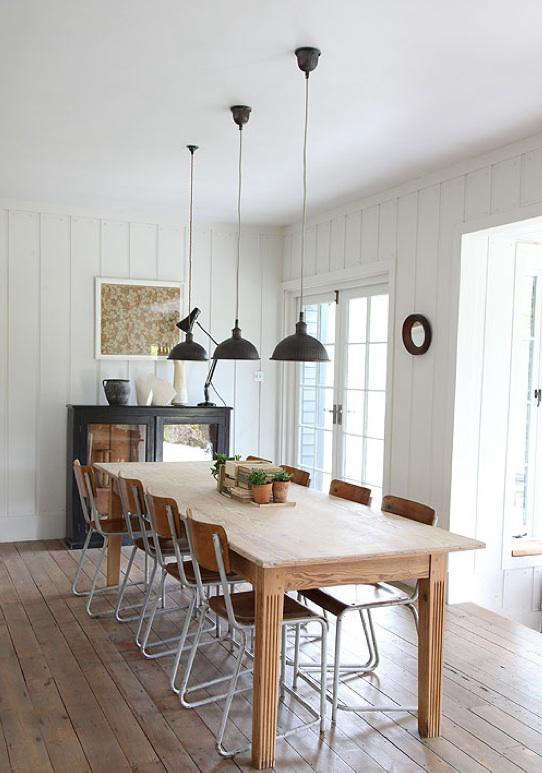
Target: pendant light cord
240	168
304	221
190	231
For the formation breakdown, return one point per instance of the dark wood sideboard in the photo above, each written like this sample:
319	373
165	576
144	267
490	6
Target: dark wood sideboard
113	433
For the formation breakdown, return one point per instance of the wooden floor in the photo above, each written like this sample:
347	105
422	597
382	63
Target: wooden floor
75	694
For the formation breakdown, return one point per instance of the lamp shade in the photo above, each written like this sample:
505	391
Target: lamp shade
188	350
236	347
300	347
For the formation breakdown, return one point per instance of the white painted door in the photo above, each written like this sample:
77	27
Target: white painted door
340	405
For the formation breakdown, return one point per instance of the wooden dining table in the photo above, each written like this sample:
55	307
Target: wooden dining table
322	541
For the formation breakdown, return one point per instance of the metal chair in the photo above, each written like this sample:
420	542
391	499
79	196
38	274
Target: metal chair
106	527
210	553
342	600
301	477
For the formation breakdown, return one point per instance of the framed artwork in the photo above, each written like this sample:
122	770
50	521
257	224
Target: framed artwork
136	318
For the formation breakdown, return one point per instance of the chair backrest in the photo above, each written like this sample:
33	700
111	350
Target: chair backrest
203	550
344	490
257	459
301	477
86	486
165	517
132	495
414	511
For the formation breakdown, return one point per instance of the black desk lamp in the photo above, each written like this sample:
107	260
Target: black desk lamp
186	326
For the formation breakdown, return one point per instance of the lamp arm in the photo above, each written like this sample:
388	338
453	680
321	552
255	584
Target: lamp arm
210	373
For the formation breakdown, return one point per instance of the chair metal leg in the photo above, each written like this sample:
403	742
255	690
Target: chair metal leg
145	605
229	698
181	644
336	668
282	662
123	587
414	611
323	675
94	581
86	543
191	658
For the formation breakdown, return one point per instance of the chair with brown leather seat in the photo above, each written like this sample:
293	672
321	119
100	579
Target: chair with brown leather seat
342	600
98	523
211	553
350	491
301	477
168	526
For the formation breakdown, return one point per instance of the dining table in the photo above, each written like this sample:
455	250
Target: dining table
322	541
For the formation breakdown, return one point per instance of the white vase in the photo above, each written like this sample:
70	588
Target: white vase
179	383
162	391
144	393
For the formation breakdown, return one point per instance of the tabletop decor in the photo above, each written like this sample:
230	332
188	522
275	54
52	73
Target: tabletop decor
135	318
281	485
117	390
261	487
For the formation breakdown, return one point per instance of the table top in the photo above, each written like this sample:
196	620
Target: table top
319	529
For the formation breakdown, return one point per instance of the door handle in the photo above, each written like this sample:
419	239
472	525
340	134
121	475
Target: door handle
538	397
334	412
339	415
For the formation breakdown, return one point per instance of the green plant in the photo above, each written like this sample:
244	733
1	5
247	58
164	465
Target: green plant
220	459
282	476
258	478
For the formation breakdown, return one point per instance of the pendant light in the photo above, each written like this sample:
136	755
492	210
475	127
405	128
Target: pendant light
189	349
236	347
301	347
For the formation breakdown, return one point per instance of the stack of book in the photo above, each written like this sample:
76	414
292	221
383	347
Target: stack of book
237	474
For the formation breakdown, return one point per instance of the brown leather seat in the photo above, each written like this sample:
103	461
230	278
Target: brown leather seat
244	607
339	598
206	575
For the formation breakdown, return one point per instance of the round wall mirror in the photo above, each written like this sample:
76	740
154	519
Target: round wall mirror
416	334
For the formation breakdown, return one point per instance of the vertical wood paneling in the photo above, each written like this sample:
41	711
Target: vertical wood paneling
115	249
4	360
271	247
85	266
370	234
353	239
478	193
422	367
288	263
387	238
338	225
505	184
402	369
24	361
323	235
310	251
171	256
54	359
532	177
143	265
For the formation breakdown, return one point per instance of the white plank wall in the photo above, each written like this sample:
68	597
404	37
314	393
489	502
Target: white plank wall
48	262
416	226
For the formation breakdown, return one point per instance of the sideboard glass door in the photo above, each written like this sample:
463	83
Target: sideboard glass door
182	442
114	443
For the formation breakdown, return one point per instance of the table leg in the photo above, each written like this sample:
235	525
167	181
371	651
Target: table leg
114	543
431	627
269	604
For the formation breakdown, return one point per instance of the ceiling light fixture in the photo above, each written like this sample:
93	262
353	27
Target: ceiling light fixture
300	346
189	349
236	347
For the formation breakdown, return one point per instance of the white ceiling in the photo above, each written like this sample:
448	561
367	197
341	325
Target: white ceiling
98	98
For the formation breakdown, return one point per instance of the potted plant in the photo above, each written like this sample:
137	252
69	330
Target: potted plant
281	484
218	467
261	487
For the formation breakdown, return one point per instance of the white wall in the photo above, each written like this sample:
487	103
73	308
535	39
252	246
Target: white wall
417	228
48	261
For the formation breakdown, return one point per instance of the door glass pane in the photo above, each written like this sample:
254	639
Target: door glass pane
188	442
374	462
114	443
315	399
379	318
376	409
353	420
355	366
353	453
377	366
357	320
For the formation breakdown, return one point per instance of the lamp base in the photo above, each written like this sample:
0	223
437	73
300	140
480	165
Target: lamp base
207	405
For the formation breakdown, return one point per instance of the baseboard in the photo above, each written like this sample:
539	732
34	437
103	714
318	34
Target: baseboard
21	528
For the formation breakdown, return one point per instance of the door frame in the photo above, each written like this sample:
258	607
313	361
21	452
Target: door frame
377	273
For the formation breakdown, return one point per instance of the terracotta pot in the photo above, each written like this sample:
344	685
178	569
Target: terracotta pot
262	494
280	490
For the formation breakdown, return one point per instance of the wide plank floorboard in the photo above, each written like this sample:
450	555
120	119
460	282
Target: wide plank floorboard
76	695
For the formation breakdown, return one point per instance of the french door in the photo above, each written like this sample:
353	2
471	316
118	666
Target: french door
340	405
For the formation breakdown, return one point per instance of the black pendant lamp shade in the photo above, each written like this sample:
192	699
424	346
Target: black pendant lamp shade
237	347
300	346
189	349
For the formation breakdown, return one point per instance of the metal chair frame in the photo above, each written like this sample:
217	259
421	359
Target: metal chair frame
86	487
242	630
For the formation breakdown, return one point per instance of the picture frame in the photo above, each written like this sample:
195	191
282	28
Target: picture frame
135	319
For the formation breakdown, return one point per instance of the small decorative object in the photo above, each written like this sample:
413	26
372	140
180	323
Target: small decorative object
179	383
143	387
281	484
162	391
117	390
135	318
416	334
261	487
218	469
